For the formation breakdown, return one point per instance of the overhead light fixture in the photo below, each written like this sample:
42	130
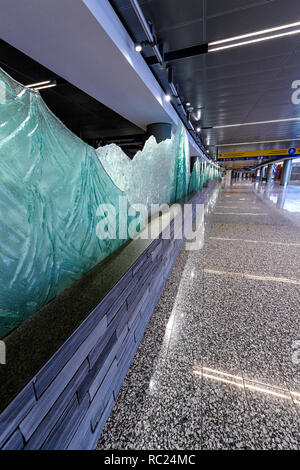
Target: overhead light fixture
256	33
46	86
138	47
168	98
252	41
256	123
258	36
259	142
42	85
198	129
188	103
148	30
34	85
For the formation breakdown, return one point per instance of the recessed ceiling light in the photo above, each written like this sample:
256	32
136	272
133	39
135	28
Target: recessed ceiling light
198	129
138	47
34	85
168	98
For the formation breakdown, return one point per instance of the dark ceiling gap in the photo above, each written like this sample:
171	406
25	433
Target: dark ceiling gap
82	114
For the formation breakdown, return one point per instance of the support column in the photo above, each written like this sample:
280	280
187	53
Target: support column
286	172
160	130
269	173
281	197
262	173
257	175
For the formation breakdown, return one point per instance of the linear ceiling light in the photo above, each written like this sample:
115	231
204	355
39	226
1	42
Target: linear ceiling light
252	41
46	86
258	36
260	142
256	123
256	33
34	85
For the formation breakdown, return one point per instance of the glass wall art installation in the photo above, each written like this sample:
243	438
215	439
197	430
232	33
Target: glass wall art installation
195	183
51	186
157	174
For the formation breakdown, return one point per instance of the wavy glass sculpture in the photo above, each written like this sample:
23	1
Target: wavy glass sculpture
195	179
52	184
157	174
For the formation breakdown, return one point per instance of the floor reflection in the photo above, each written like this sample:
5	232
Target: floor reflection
287	198
243	382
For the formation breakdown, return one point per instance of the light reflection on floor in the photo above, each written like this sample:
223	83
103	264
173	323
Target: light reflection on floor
287	198
242	382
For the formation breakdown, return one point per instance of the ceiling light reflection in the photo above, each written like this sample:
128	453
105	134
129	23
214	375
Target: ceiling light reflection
241	382
253	241
254	277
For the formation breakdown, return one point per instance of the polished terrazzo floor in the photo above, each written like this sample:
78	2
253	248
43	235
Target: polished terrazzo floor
217	367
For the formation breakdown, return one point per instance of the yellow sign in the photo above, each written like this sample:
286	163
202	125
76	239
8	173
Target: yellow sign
258	154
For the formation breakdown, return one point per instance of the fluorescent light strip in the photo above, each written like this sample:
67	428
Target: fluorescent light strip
34	85
256	33
257	123
47	86
260	142
252	41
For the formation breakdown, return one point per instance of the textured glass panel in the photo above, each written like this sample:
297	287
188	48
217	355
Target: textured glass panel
51	185
158	174
195	180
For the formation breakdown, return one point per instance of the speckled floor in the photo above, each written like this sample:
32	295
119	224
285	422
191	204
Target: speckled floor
217	367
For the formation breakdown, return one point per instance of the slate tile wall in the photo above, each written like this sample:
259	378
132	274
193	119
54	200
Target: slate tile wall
67	403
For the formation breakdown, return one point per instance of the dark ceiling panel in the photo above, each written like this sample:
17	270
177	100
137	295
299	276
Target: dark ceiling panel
249	83
231	18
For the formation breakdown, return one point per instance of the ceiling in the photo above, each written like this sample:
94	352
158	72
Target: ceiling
93	52
246	84
94	122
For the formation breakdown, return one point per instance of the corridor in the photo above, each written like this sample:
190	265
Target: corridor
218	367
